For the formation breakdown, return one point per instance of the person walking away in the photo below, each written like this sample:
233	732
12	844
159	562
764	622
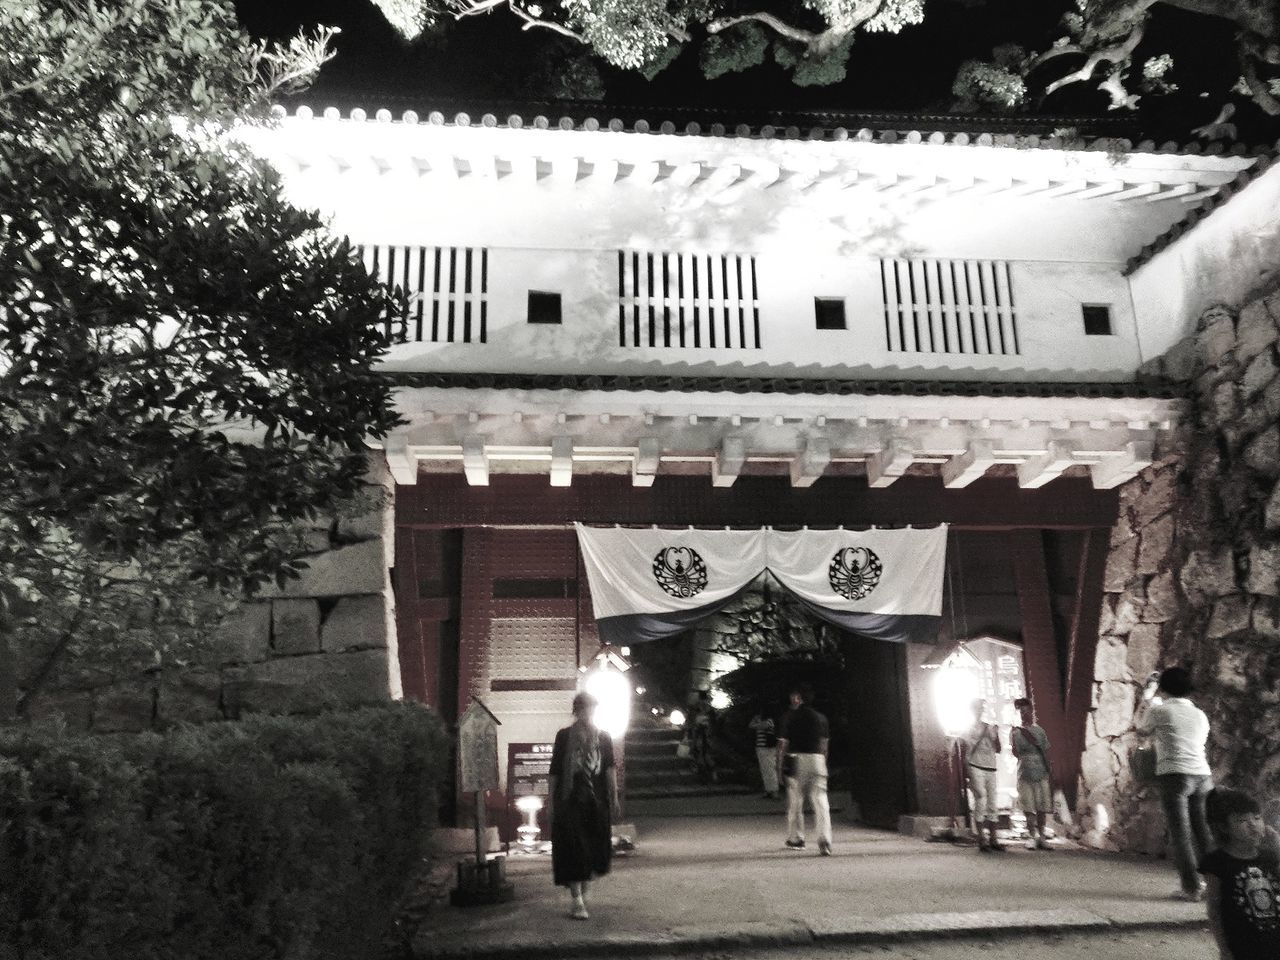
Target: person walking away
1030	746
1179	729
764	729
981	744
584	799
1243	873
802	763
700	721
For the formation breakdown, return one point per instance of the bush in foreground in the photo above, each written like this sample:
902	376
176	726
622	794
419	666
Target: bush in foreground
258	839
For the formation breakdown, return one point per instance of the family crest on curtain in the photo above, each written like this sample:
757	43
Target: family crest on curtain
651	583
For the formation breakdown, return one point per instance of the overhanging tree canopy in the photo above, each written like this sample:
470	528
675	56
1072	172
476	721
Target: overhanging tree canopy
1098	41
185	359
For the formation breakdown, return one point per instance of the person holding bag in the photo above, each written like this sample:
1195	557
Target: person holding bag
802	765
584	799
982	743
1179	730
1035	787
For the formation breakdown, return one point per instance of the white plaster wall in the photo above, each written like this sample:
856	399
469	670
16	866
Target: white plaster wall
552	206
1227	257
1048	297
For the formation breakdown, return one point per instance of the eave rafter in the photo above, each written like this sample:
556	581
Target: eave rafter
915	168
884	438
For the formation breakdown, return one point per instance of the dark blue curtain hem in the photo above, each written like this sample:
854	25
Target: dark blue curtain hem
635	628
632	628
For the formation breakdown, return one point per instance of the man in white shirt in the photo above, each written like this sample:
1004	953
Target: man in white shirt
1179	730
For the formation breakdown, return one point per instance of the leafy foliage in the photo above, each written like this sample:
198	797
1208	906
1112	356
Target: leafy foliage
734	51
185	359
626	33
1115	44
998	85
258	839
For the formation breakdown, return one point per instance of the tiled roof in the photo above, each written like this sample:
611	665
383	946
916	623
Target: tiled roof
1054	133
1147	389
1200	212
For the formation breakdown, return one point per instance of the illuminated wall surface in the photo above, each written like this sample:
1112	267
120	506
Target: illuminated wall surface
630	278
959	261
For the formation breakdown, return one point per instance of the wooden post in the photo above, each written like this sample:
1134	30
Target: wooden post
1040	641
481	845
482	881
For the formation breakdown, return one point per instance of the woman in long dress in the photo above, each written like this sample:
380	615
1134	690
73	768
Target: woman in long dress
584	798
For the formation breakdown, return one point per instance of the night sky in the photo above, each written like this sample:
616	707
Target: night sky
490	58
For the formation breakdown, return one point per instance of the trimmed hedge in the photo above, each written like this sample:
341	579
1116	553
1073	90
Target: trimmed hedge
264	838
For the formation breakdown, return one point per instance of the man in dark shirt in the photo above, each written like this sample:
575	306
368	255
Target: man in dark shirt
802	762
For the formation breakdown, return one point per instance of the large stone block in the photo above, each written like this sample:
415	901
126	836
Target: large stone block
358	568
1266	618
1109	661
1271	517
1120	565
1269	401
1145	831
190	696
315	683
1114	714
1122	530
1156	545
1209	573
1264	570
1127	614
1157	499
72	708
1230	615
1255	331
1263	452
1234	667
1224	404
125	707
1106	614
1179	362
1260	372
245	635
355	623
295	626
1215	335
363	526
1162	599
316	541
1143	650
1097	764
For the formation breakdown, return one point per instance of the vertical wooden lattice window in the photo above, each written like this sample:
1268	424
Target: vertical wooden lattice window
949	306
688	300
446	291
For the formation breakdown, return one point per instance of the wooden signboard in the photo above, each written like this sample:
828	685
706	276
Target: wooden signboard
478	749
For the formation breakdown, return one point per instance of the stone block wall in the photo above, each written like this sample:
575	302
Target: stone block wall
1193	578
324	640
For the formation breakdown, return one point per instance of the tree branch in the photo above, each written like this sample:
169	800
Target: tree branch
292	68
1116	54
1113	86
471	8
1053	52
798	34
23	708
75	59
1259	92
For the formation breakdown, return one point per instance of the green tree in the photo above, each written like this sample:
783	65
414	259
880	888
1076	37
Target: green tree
1099	40
185	359
1102	40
